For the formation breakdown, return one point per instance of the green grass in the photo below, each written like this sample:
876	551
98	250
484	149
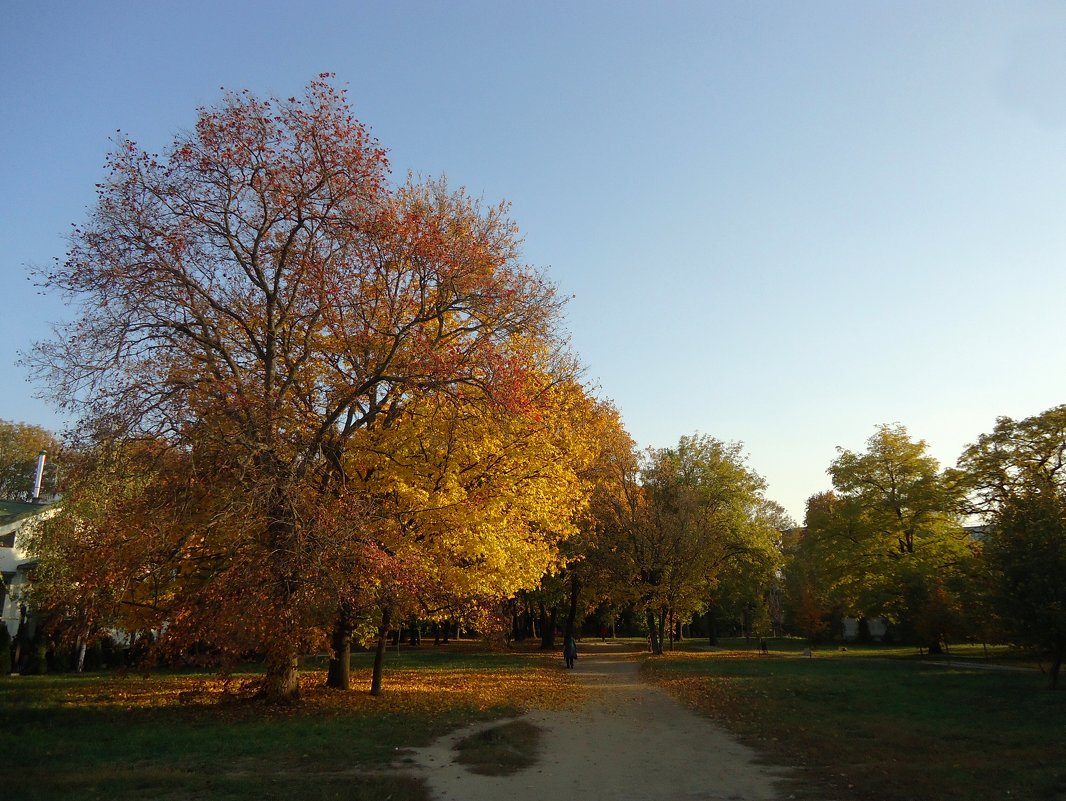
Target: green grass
884	729
102	736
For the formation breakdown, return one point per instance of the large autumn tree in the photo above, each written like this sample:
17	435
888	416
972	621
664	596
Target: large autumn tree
1016	477
254	302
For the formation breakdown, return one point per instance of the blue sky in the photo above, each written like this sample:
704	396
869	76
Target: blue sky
781	223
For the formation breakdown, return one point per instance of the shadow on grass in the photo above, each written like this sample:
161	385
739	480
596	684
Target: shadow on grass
884	730
102	737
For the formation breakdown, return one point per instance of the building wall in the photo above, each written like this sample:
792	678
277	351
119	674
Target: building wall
15	563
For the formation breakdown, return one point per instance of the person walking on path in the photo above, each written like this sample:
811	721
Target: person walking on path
570	652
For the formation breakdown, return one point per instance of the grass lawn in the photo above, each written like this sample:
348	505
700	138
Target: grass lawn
187	736
883	729
962	652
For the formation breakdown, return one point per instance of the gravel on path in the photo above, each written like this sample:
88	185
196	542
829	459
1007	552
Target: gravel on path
629	742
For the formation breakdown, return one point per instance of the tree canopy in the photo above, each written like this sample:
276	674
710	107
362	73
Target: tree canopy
697	514
1016	476
313	357
888	540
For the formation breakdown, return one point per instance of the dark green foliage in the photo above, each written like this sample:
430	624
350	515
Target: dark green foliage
1016	477
1027	551
5	650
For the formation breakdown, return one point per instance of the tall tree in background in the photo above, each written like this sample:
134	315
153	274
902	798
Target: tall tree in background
256	300
891	540
585	580
699	515
1017	480
20	443
810	577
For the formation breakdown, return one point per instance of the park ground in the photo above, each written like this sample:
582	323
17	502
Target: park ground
868	723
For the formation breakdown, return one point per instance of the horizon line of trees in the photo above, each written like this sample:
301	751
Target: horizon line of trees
682	537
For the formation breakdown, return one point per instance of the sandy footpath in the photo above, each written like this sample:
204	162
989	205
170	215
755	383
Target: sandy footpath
630	742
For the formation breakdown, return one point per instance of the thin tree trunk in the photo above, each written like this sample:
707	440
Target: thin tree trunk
379	654
79	658
571	615
547	627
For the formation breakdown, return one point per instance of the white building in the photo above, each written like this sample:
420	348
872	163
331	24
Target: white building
16	520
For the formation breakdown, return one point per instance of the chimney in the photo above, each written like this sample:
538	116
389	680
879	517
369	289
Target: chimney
38	476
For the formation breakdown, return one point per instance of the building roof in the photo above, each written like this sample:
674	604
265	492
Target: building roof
10	511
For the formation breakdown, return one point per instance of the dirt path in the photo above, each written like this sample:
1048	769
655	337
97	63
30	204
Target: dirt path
630	742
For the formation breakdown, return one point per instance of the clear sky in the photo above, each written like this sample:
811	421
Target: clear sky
781	223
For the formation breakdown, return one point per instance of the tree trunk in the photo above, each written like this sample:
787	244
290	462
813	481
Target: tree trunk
712	624
654	636
571	615
662	628
379	654
547	627
281	684
340	657
79	657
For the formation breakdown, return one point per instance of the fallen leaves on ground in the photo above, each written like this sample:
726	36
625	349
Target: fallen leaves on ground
405	690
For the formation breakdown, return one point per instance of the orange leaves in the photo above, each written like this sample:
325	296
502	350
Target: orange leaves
426	691
313	341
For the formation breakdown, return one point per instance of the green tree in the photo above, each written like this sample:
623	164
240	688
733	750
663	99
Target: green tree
20	443
807	573
700	514
1017	480
891	538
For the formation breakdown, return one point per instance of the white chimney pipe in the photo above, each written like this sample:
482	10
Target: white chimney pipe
38	477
